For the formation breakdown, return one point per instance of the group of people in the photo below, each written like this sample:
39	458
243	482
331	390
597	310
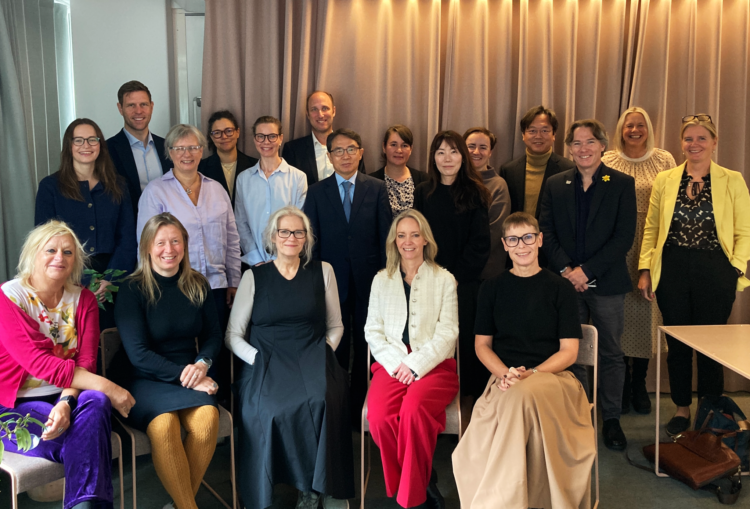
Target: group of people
294	263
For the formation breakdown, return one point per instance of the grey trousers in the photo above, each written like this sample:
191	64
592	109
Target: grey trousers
607	314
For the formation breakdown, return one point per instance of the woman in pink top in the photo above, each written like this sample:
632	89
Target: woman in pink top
49	335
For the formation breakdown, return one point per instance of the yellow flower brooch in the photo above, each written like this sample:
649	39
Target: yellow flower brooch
605	178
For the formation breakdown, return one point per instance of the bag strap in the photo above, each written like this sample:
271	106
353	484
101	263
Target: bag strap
727	489
630	460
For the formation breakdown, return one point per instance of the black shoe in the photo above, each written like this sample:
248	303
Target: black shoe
434	499
641	401
625	409
614	438
677	425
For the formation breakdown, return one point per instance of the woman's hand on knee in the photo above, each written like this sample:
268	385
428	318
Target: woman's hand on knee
193	374
207	385
58	421
403	374
121	400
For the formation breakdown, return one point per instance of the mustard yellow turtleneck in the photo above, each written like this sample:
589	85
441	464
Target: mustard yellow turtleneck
536	165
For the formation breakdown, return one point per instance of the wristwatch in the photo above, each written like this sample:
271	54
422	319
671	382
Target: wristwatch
205	360
71	401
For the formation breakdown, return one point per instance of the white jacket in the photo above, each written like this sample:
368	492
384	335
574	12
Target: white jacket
432	315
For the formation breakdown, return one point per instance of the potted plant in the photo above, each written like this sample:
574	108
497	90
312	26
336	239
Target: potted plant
17	429
113	276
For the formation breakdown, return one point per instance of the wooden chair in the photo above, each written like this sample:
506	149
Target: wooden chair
588	355
27	472
457	416
140	444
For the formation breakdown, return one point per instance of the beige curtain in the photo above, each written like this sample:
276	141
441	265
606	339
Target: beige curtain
449	64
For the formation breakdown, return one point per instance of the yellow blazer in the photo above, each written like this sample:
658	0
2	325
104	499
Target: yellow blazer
731	201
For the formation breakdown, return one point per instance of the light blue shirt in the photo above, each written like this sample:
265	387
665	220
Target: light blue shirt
257	197
340	180
147	161
214	245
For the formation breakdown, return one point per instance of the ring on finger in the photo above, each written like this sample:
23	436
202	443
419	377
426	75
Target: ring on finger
60	431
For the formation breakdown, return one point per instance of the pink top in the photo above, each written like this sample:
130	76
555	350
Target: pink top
25	350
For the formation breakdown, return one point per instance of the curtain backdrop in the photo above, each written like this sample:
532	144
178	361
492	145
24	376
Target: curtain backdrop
449	64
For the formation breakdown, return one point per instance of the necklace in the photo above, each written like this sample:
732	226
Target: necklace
188	189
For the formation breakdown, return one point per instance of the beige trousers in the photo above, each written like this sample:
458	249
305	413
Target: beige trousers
531	446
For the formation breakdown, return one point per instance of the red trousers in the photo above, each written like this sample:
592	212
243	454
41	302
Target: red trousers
405	421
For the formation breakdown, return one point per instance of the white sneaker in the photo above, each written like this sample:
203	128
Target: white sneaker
335	503
307	500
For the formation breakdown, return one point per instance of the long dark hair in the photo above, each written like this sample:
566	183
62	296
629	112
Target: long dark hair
468	190
104	168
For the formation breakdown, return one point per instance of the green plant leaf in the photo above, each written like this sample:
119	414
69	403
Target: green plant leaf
2	450
113	288
101	304
35	421
23	439
88	272
108	297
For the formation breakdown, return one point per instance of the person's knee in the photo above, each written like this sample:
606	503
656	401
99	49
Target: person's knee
202	421
95	399
163	426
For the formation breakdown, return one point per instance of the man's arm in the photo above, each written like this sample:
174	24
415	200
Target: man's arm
556	255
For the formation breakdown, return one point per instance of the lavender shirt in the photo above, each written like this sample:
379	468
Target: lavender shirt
214	242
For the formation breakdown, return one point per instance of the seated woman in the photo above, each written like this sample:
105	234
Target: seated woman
160	311
513	454
413	342
49	335
293	395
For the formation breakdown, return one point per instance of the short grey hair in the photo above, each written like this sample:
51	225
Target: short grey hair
181	131
269	235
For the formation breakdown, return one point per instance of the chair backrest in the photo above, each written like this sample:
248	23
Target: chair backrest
587	346
110	344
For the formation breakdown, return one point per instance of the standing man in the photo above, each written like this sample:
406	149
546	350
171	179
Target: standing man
138	154
527	175
588	218
350	218
309	153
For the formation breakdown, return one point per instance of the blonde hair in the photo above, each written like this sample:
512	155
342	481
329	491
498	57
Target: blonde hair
269	235
709	125
191	282
393	257
618	143
36	240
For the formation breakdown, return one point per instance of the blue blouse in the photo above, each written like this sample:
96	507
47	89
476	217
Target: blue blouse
101	225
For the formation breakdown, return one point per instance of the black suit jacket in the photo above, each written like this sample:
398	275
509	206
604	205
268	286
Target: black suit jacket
514	173
122	155
355	249
300	153
211	168
609	232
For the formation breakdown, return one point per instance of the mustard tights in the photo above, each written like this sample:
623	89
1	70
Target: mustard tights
173	458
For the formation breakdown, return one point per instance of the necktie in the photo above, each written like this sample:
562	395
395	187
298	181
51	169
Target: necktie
347	199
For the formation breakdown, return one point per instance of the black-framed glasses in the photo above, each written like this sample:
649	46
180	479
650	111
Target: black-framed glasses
228	132
260	138
527	238
298	234
338	152
700	118
181	150
91	140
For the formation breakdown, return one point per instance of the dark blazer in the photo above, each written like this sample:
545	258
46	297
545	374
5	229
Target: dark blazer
514	173
211	167
416	175
356	248
300	153
609	232
122	155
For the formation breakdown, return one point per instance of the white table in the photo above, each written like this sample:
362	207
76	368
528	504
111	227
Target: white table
729	345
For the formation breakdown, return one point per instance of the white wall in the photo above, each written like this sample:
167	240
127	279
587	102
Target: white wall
115	42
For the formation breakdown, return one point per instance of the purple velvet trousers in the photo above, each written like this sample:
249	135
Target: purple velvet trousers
84	448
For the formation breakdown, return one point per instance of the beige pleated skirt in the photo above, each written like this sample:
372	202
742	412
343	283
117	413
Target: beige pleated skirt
531	446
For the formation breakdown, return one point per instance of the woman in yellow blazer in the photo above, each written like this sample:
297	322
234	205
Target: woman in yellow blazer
696	245
412	327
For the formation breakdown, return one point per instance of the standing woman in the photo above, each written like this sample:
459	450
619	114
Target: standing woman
293	394
204	209
634	154
163	309
400	180
227	162
456	205
88	194
696	245
414	374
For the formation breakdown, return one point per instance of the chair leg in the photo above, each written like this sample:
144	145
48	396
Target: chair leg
132	457
119	468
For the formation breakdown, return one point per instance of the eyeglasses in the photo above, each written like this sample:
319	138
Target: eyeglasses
543	132
298	234
92	141
699	118
228	132
527	238
260	138
193	149
338	152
